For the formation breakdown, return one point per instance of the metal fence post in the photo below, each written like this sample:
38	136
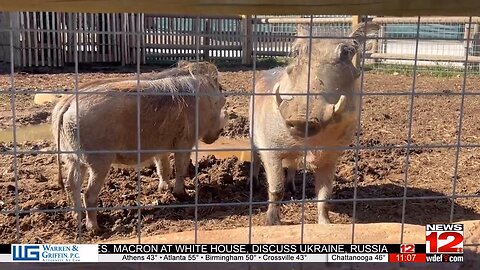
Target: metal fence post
247	46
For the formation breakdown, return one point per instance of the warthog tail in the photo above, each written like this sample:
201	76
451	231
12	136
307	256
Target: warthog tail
59	162
59	125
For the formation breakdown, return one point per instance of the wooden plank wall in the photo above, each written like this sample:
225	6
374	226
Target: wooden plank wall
48	38
173	38
39	39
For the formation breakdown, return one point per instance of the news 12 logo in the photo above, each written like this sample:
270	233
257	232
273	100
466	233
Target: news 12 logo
407	248
25	252
444	238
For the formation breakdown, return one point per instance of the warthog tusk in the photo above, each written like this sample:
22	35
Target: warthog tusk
280	98
336	109
340	105
276	87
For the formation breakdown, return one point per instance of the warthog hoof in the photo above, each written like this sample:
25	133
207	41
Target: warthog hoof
92	225
292	188
181	195
273	216
163	186
323	219
96	230
255	183
323	210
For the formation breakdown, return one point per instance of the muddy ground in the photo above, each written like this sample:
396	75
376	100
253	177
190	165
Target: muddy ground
381	172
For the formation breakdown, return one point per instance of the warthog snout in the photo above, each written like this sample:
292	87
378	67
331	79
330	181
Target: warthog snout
214	134
300	127
294	112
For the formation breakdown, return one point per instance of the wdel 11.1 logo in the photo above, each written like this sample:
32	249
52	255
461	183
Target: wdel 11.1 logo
45	253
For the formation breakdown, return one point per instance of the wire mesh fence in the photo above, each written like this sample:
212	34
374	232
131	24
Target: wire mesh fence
386	147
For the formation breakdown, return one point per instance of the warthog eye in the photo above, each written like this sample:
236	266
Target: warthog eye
356	44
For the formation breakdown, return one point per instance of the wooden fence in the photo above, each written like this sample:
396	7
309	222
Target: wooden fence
50	38
53	38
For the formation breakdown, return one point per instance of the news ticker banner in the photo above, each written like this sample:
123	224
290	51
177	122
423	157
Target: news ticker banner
444	243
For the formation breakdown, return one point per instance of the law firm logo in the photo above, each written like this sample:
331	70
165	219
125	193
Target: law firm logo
53	253
25	252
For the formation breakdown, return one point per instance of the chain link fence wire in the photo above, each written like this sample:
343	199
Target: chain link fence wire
358	186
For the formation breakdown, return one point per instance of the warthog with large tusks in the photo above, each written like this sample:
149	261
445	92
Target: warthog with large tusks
108	122
280	119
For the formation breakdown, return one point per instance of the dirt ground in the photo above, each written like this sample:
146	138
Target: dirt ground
381	171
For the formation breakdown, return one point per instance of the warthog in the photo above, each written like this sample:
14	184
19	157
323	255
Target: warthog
108	122
280	120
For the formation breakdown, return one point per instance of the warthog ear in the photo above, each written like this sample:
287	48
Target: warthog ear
204	68
300	46
358	34
212	71
303	30
364	29
182	63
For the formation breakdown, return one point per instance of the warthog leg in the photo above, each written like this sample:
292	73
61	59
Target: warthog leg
182	160
99	167
256	170
163	171
324	162
276	186
74	185
291	171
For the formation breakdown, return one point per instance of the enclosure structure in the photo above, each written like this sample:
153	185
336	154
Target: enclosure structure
47	38
414	158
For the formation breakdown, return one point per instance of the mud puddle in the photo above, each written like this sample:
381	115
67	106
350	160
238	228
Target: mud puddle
27	133
225	147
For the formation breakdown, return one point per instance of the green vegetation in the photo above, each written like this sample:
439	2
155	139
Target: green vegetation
433	71
270	62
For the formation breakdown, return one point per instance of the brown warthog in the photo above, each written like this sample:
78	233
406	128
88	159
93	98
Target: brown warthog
280	120
108	122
